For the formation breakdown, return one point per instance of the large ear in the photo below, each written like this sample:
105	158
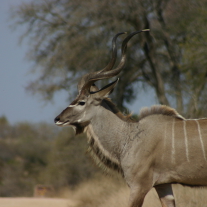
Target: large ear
105	91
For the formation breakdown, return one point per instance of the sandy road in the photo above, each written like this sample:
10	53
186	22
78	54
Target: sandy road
36	202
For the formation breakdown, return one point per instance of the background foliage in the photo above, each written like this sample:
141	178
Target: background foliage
32	154
68	38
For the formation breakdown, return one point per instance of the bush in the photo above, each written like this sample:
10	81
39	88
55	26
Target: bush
32	154
68	164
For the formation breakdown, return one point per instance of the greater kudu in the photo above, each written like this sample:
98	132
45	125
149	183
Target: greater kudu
160	149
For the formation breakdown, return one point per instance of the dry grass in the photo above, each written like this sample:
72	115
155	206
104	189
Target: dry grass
105	192
94	193
190	196
100	192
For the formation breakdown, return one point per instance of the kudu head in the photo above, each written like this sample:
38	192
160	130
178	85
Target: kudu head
82	109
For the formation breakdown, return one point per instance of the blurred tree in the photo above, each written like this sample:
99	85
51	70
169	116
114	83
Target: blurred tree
68	38
195	63
32	154
67	163
3	120
23	156
4	127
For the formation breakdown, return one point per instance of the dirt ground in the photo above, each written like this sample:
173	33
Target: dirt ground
35	202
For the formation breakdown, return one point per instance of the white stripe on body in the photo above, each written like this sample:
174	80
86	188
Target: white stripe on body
186	140
201	139
173	142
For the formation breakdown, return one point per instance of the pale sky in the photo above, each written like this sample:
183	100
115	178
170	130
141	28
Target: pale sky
15	103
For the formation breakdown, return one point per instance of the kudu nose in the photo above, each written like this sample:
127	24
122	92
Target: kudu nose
56	119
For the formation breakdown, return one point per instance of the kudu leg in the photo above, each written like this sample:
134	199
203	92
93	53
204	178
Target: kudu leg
137	196
165	194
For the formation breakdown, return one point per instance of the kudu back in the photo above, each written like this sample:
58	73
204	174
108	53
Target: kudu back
160	149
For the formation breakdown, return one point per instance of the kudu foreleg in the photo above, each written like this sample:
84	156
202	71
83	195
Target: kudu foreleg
165	194
137	195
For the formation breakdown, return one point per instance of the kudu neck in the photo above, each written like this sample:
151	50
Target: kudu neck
109	131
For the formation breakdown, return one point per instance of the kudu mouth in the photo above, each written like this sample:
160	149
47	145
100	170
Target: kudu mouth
61	123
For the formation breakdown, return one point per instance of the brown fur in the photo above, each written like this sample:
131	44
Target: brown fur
146	111
159	109
101	160
116	111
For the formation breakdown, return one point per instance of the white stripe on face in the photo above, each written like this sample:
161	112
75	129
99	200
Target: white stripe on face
71	105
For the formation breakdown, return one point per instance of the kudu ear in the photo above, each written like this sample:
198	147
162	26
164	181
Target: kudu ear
106	90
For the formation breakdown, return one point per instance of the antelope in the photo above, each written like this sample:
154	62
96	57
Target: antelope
159	149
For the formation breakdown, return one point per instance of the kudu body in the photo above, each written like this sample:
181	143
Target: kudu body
160	149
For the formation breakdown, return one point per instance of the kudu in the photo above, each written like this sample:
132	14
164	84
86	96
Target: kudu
159	149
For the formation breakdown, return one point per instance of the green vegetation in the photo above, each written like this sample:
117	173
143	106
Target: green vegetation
33	154
68	38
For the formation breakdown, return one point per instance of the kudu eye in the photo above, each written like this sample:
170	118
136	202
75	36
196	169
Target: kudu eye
81	103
